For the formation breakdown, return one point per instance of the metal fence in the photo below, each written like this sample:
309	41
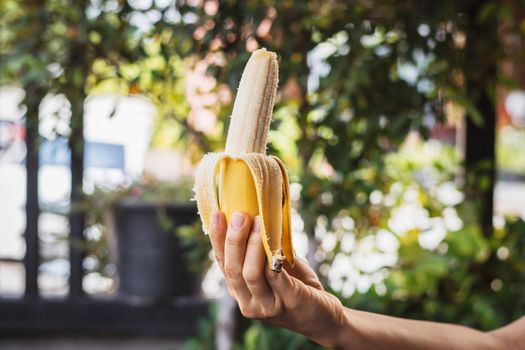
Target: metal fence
79	313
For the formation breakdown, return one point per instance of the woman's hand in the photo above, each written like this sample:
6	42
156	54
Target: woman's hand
293	299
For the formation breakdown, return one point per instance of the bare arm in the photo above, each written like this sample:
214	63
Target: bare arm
513	334
366	330
295	299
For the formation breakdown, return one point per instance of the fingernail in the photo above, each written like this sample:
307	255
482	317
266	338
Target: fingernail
214	220
237	221
257	224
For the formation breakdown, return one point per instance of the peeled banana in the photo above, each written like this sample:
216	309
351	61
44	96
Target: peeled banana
243	177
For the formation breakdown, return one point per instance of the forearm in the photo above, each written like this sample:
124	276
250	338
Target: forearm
363	330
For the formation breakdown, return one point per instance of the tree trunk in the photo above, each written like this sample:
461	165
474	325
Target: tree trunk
480	73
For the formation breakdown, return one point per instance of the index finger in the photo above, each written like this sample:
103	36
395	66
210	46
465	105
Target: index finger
217	236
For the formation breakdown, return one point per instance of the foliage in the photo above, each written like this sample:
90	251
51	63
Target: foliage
262	337
146	190
458	285
255	336
92	47
206	332
53	45
155	191
431	260
510	145
196	247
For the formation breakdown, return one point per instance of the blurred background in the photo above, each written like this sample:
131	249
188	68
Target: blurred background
402	124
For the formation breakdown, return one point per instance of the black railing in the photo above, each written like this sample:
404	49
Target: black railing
31	260
80	313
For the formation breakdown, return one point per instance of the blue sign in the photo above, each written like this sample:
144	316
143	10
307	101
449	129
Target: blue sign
96	154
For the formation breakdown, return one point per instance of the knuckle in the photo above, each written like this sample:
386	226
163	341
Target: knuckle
248	311
232	272
251	276
267	313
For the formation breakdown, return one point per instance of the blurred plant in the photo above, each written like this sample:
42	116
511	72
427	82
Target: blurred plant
416	206
262	337
254	335
510	146
146	190
423	255
197	247
54	46
469	279
206	334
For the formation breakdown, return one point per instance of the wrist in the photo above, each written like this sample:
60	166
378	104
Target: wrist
344	331
335	333
351	332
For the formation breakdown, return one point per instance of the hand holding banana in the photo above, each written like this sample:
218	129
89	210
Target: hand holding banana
292	299
242	185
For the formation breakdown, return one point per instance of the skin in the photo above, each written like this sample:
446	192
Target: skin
295	299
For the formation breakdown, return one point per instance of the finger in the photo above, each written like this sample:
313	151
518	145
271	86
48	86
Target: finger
284	287
303	272
217	236
234	252
253	268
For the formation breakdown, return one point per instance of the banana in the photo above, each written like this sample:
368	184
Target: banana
243	177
